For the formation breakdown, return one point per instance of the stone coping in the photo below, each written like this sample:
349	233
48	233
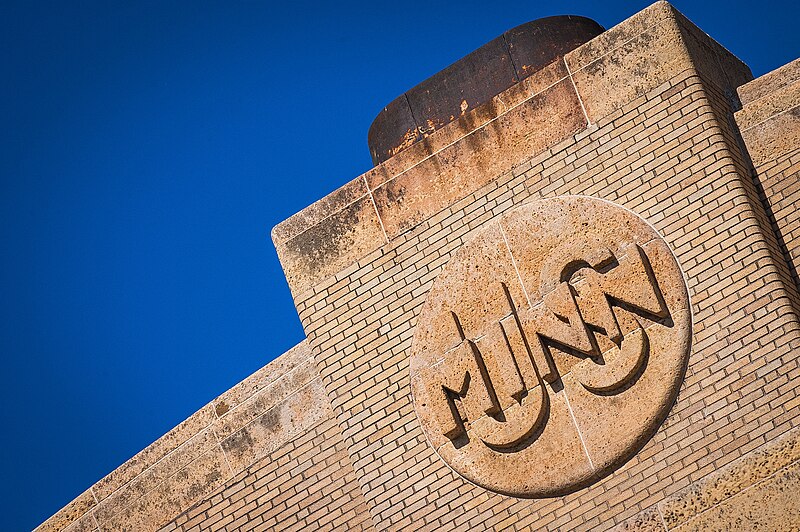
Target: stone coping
770	82
753	482
760	105
560	102
770	119
241	426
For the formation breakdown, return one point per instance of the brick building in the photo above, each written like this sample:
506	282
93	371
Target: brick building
633	188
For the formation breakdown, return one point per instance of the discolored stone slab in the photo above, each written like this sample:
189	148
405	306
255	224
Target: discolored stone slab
327	206
773	137
296	358
614	38
173	495
331	245
639	64
267	397
155	452
768	106
142	486
509	381
771	505
456	171
733	479
474	80
465	124
295	413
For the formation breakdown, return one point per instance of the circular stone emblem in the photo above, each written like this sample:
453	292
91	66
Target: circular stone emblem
551	347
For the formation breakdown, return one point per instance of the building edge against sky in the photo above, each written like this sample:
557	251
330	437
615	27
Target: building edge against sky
652	115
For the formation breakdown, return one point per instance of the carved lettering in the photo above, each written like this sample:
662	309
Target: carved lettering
497	375
575	338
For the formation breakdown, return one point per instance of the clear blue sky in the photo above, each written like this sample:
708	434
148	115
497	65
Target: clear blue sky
147	149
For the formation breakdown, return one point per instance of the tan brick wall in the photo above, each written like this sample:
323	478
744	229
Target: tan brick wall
308	483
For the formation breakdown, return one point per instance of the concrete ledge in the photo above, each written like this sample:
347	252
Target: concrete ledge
755	492
770	119
246	423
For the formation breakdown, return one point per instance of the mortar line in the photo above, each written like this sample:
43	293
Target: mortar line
221	448
511	58
375	206
578	429
661	516
514	262
575	88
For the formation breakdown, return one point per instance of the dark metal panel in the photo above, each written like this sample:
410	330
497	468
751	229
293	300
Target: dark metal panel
393	130
464	85
536	44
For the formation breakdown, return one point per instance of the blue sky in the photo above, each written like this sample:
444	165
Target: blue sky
147	150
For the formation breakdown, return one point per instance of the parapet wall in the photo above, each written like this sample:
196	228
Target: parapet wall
640	118
276	425
769	122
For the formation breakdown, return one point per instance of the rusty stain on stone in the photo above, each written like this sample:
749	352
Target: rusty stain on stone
474	80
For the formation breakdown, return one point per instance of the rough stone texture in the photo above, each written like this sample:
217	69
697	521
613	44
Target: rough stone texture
327	436
73	515
769	83
513	277
270	419
756	492
647	521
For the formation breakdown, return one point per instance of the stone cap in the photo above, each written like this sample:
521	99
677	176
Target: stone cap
769	83
475	79
769	119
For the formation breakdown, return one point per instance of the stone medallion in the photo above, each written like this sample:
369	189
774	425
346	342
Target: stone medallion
551	347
